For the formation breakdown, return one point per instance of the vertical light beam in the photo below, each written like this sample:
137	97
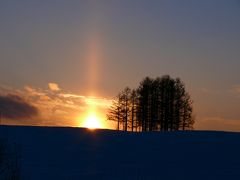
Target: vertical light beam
93	59
93	47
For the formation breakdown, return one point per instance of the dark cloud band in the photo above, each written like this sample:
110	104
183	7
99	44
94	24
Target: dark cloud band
14	107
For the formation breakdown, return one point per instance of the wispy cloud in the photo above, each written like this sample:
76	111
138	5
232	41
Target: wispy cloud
54	105
217	123
235	90
53	86
205	90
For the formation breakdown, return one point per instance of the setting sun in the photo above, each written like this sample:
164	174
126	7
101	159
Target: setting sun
92	121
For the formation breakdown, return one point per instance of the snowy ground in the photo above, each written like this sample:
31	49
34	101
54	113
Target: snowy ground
75	153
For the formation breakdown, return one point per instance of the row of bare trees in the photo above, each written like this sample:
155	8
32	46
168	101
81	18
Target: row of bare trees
160	104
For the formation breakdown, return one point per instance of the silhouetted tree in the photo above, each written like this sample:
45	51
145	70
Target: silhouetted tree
178	103
115	111
157	104
134	104
144	108
126	106
187	118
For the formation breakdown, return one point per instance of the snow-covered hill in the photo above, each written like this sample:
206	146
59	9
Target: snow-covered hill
76	153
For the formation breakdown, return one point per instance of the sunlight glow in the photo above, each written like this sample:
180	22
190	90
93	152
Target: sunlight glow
94	114
92	121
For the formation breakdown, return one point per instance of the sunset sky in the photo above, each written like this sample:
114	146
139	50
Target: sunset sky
63	60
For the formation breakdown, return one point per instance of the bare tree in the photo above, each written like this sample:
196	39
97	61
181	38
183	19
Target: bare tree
158	104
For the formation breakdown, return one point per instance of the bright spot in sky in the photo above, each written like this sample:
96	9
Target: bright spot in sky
92	121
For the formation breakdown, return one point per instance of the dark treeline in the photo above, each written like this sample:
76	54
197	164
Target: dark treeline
160	104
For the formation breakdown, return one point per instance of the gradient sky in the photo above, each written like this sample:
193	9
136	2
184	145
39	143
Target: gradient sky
96	48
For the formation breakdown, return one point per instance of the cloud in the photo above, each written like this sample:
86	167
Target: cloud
56	106
53	86
68	95
14	107
217	123
31	91
235	90
205	90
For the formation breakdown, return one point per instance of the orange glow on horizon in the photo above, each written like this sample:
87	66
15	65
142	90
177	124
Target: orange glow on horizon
92	121
93	118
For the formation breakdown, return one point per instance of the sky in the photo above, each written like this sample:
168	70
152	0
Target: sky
58	58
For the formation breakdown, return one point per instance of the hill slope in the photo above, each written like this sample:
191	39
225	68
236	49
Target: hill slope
75	153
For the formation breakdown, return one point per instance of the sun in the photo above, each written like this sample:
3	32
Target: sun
92	121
